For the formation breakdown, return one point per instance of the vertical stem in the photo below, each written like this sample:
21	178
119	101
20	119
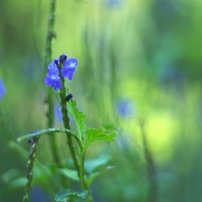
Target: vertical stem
47	58
79	167
152	194
30	166
84	186
66	124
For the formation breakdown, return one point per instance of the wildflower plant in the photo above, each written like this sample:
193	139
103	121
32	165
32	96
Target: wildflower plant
57	72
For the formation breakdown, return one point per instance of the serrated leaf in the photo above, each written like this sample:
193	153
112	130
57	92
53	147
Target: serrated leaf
95	134
72	174
65	195
78	116
93	176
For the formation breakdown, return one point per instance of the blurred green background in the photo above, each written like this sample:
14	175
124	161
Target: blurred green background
139	68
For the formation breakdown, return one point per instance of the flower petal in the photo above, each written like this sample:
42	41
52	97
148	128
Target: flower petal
71	63
53	81
52	66
68	72
69	68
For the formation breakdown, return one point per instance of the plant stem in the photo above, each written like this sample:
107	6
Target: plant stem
66	124
47	58
152	192
30	165
79	167
84	186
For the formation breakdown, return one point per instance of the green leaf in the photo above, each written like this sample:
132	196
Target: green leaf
95	134
111	127
65	195
72	174
18	183
91	165
18	149
93	176
10	175
78	116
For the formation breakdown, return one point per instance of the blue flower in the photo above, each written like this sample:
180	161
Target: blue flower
53	80
68	68
39	195
2	88
58	113
114	3
125	108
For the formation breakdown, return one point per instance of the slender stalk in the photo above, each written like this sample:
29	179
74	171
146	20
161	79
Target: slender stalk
66	125
30	165
51	131
83	184
78	165
47	58
152	194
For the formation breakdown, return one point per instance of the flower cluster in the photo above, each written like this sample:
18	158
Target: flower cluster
2	89
64	67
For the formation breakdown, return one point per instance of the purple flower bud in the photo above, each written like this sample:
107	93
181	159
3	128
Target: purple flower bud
63	58
68	97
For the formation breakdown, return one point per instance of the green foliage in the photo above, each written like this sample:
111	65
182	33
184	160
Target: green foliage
92	165
67	195
93	176
72	174
152	63
95	134
84	138
78	117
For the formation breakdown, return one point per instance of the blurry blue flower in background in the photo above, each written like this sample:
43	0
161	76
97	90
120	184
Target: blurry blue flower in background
37	194
2	89
171	76
125	107
167	6
114	3
31	67
58	116
52	77
58	113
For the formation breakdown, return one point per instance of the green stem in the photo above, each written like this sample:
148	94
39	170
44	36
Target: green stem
48	57
49	131
79	167
84	186
151	173
66	124
30	165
